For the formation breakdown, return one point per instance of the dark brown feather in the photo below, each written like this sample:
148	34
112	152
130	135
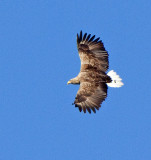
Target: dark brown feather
88	37
91	39
84	36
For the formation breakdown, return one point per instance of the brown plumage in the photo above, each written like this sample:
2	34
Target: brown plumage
92	77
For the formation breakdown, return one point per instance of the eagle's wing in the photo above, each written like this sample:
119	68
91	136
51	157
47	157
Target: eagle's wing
92	53
90	96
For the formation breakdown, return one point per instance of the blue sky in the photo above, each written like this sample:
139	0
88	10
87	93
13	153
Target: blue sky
38	55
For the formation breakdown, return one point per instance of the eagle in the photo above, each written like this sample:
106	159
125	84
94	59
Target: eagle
93	77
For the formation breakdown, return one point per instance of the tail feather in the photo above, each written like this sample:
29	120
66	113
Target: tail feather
116	80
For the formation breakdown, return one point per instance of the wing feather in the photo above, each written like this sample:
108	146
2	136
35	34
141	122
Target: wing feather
91	39
96	40
88	37
92	52
88	109
90	96
84	37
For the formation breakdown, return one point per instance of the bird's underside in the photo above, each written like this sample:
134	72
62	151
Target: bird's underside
92	77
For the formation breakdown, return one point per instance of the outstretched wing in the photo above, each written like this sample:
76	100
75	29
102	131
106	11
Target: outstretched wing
90	96
92	53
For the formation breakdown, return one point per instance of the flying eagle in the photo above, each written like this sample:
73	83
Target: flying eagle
93	78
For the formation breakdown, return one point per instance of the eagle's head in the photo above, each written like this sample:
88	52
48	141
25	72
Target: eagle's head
69	82
74	81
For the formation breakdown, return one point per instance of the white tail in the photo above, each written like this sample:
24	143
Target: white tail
116	80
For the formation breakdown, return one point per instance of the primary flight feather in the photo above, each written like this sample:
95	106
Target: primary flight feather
93	78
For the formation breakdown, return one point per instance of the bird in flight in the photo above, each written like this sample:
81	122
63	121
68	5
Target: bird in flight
92	78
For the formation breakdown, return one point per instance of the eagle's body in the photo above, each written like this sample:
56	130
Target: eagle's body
92	78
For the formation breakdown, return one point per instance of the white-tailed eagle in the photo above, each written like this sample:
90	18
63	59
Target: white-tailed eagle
93	78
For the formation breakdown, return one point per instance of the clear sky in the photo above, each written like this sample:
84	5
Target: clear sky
38	55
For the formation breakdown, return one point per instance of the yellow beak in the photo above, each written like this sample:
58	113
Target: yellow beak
68	82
